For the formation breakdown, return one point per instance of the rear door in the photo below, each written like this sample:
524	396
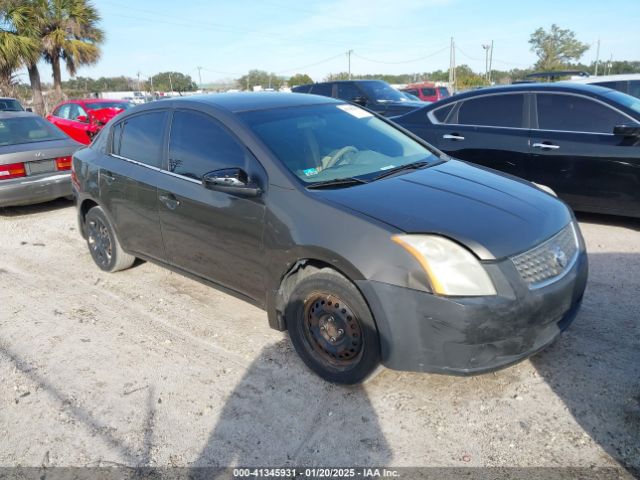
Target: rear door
574	151
490	130
128	181
212	234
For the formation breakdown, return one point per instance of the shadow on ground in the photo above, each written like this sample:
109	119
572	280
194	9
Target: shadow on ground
610	220
595	367
282	415
37	208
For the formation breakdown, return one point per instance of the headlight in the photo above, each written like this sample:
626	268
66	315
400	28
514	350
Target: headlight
451	268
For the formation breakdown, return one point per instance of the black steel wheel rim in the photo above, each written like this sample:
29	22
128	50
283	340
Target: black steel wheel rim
332	330
99	242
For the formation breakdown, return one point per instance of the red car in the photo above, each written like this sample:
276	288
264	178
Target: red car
83	119
427	91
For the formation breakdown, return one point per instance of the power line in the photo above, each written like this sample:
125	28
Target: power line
402	61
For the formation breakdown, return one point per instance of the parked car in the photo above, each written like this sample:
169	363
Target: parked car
10	105
35	160
375	95
427	91
625	83
366	244
582	141
83	119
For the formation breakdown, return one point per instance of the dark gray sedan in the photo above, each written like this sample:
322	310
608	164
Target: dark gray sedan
35	160
366	244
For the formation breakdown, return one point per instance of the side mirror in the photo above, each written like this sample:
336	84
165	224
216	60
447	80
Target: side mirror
627	130
82	119
360	100
231	180
29	109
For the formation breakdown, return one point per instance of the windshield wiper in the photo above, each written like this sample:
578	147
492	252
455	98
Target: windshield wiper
338	182
409	166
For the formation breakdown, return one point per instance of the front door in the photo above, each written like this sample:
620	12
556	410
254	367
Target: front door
574	151
214	235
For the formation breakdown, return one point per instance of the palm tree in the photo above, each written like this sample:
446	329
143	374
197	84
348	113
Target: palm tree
69	31
20	46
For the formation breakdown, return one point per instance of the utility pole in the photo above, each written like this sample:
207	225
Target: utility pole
349	57
452	66
138	81
200	76
597	57
151	80
490	61
170	83
486	48
609	64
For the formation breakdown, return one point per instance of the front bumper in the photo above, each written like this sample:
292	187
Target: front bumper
36	189
464	336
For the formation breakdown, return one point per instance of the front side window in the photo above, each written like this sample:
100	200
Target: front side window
326	142
348	91
18	130
576	114
141	138
493	111
381	92
199	144
428	92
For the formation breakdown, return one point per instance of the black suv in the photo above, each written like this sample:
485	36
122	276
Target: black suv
375	95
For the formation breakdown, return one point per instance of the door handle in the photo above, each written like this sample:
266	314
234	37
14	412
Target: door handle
108	177
546	146
170	201
452	136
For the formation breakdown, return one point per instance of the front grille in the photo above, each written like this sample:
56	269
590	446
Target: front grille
550	260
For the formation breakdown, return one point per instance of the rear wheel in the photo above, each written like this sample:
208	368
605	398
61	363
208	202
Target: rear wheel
104	246
332	329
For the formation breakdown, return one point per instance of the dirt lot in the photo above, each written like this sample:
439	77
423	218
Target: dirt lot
145	367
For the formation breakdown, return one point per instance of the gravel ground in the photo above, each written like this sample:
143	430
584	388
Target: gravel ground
148	368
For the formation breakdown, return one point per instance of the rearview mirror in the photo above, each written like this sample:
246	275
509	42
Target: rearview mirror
627	130
231	180
82	119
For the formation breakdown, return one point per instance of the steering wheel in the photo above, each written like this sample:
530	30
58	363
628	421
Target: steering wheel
339	155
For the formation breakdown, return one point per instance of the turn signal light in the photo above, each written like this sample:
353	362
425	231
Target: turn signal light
63	163
12	170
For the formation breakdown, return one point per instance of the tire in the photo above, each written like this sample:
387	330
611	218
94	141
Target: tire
105	249
332	329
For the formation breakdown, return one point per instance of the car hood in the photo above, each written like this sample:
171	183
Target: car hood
399	108
494	215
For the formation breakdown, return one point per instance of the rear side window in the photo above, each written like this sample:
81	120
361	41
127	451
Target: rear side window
428	92
322	89
620	86
141	138
493	111
63	111
199	145
442	113
576	114
302	89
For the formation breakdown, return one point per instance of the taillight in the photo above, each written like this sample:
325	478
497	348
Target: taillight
12	170
63	163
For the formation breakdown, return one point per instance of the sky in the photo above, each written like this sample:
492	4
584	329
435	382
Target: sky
228	38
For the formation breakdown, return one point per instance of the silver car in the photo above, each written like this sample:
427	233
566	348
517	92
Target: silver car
35	160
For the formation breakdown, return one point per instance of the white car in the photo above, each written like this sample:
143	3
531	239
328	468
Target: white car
627	83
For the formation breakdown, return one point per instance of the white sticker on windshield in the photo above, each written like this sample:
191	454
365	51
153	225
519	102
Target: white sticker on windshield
355	111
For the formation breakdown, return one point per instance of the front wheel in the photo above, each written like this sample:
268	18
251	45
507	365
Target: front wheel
332	329
104	246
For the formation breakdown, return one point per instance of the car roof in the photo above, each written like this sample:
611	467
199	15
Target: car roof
607	78
6	114
534	86
242	102
9	98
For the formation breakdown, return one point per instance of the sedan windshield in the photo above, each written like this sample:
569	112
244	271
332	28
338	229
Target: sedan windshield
324	143
18	130
382	92
99	105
